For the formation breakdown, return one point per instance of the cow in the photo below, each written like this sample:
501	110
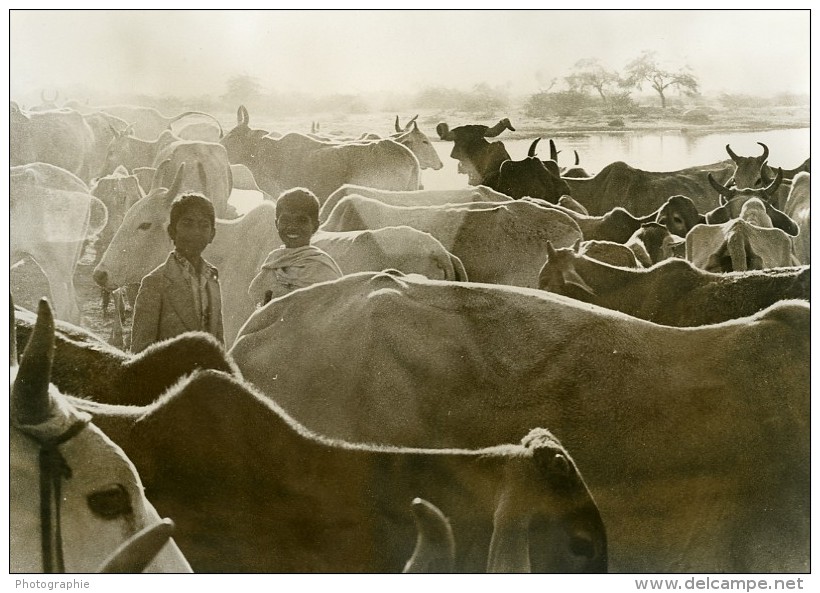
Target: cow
61	138
732	200
421	197
530	177
142	243
118	191
738	245
798	208
148	123
201	131
85	366
207	171
418	142
576	170
653	243
252	490
133	153
295	160
46	104
476	157
74	496
751	172
615	254
51	214
502	243
694	442
673	292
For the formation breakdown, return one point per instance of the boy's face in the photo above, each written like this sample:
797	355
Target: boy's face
193	233
296	227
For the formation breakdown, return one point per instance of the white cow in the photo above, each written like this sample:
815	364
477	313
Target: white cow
59	461
798	208
51	213
241	245
421	197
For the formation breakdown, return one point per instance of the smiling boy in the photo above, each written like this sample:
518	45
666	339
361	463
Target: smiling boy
183	294
297	263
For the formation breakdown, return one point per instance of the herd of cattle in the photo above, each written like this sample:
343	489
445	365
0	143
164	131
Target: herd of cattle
546	370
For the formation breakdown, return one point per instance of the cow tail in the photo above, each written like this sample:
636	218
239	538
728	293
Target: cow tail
737	246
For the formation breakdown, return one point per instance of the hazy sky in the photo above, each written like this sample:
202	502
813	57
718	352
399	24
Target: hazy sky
194	52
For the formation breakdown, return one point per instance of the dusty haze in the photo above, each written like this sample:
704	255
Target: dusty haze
193	53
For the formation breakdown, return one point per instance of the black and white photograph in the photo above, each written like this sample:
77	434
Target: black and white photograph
367	291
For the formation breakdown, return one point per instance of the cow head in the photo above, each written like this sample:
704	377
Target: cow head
531	177
98	492
559	274
476	157
679	214
418	143
748	168
732	200
242	142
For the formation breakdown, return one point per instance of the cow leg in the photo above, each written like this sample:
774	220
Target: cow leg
58	262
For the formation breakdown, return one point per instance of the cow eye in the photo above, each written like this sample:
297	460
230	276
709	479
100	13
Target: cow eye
144	226
110	502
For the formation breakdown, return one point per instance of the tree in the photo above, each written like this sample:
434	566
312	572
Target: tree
589	74
646	68
242	90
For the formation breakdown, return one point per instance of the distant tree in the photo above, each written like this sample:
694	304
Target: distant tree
590	74
646	68
561	103
242	90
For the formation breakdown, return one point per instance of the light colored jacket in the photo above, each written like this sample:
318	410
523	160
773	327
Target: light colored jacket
285	270
165	305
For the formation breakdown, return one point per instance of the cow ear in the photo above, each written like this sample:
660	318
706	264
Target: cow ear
722	200
550	250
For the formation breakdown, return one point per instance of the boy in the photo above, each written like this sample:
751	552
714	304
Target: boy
182	294
297	263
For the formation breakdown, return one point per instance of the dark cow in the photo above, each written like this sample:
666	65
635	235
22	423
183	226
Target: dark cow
695	443
674	292
296	160
575	170
732	200
85	366
653	243
476	157
617	184
251	490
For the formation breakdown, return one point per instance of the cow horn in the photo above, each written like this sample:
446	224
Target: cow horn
242	116
177	183
764	174
531	151
577	158
731	153
553	151
772	187
722	190
135	554
412	122
435	549
502	125
576	247
550	250
765	154
30	397
443	131
398	128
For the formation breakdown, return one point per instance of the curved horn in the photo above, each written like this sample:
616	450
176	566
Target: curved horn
412	122
398	128
531	151
722	190
502	125
242	116
765	154
435	549
443	131
135	554
553	151
177	183
577	159
30	396
731	153
772	187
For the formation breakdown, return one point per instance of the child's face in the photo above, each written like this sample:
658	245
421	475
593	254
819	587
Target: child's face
296	227
193	233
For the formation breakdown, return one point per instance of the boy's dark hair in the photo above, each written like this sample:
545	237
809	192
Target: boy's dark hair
188	201
301	199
